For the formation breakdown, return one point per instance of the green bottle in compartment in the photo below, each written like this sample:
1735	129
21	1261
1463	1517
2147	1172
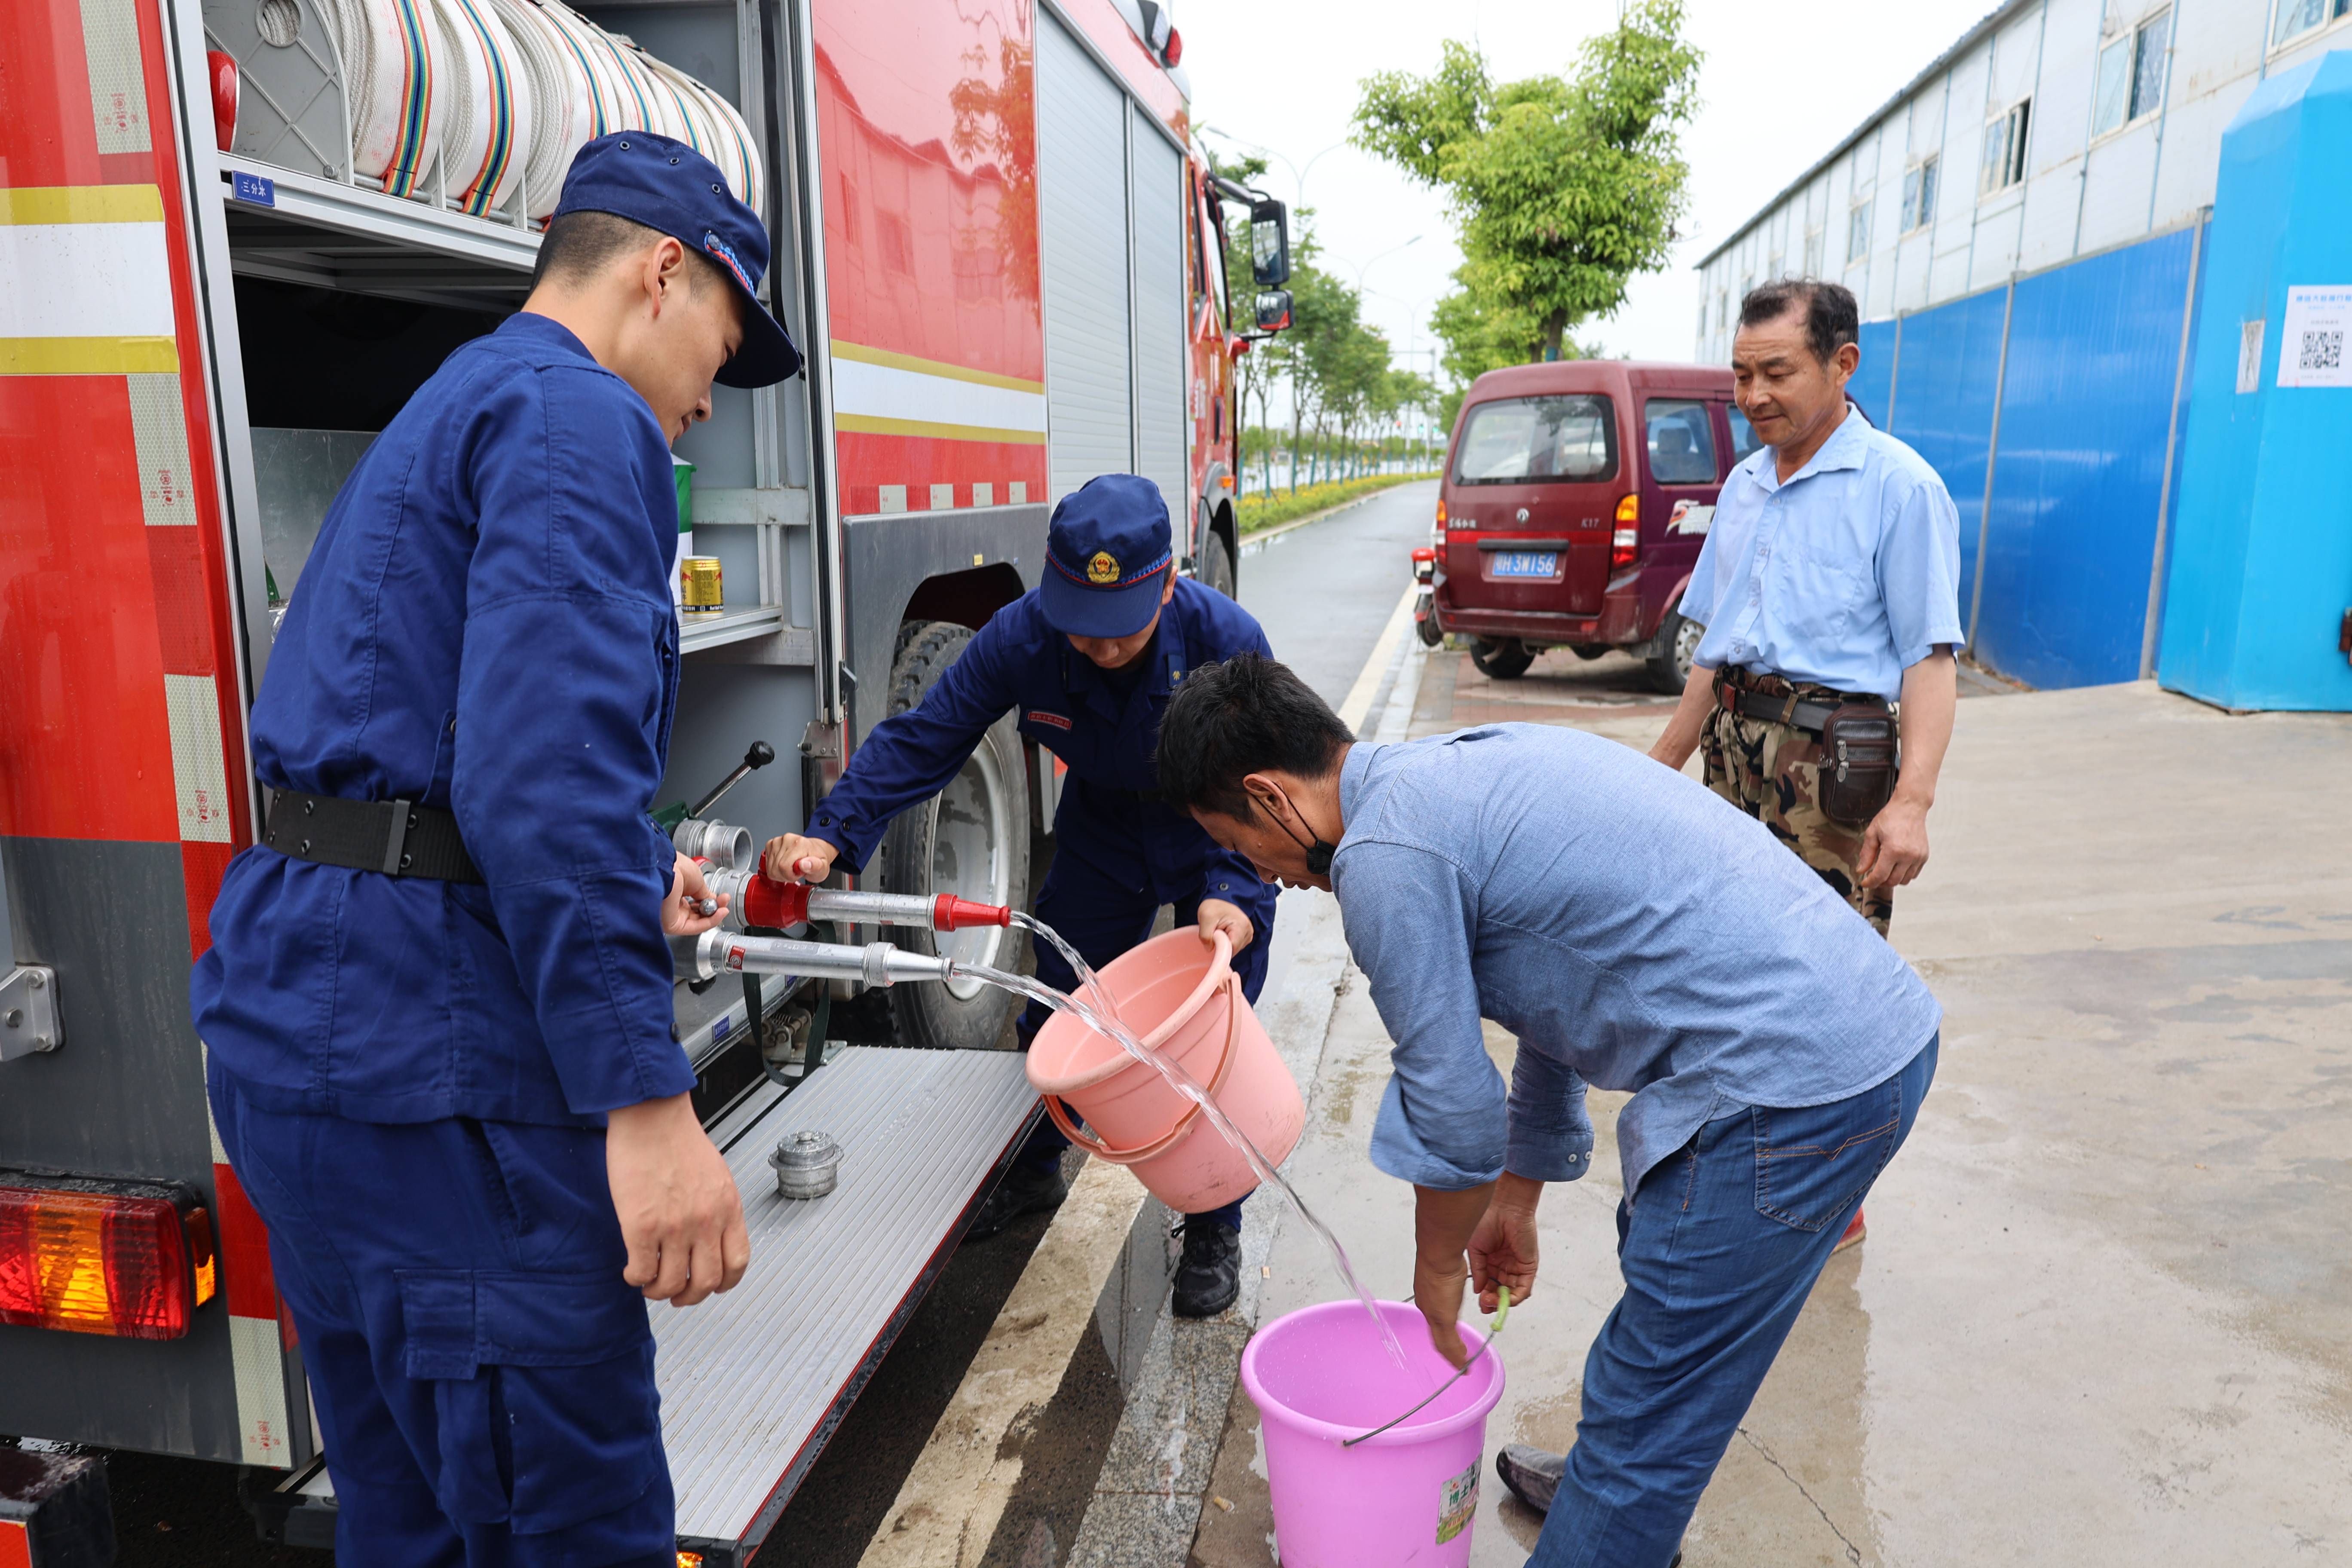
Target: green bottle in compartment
683	471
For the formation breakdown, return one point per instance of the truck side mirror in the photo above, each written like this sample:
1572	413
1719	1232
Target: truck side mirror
1269	242
1273	310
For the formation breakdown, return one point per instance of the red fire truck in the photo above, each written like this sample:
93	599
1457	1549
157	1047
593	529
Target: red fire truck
235	236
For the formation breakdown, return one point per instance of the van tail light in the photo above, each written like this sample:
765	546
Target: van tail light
1626	543
1441	513
133	1259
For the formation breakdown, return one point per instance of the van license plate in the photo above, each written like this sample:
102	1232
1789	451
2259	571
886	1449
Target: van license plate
1526	564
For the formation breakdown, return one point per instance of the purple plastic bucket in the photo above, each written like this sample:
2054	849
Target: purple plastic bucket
1321	1375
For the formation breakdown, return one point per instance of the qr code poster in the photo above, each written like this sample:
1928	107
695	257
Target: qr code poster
2312	344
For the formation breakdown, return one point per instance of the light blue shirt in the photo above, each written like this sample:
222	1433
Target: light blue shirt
1846	575
1632	928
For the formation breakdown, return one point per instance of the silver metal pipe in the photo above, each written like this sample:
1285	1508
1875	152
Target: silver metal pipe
722	843
717	953
871	909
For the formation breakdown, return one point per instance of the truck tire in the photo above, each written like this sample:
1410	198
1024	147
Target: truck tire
971	839
1216	568
1672	651
1504	659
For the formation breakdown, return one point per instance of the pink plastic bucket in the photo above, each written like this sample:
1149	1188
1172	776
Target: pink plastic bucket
1409	1496
1184	1000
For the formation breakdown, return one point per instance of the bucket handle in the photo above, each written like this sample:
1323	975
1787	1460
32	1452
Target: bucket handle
1168	1140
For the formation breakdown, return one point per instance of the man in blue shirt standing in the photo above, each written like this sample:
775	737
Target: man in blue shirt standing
438	1004
1089	660
1634	931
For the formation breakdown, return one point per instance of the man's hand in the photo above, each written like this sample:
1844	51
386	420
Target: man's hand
791	857
686	888
1503	1248
1216	915
680	1214
1894	846
1437	1290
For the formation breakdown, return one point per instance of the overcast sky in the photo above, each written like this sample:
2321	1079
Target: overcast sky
1782	85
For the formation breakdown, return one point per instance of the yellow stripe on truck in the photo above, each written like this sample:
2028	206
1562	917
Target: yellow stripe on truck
873	425
81	204
89	356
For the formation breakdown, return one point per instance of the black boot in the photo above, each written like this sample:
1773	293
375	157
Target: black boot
1025	1189
1209	1275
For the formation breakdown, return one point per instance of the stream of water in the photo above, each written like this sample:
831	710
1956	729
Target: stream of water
1102	1016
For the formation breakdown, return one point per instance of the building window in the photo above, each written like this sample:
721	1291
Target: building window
1778	269
2131	74
1919	195
1813	253
2298	16
1746	287
2004	148
1857	232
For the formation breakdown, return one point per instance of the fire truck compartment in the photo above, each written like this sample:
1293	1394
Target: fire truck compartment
754	1382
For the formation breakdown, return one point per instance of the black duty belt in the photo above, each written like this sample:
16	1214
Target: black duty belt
1803	712
397	837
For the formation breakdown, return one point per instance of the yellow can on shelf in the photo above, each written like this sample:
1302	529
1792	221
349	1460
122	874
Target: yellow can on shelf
700	592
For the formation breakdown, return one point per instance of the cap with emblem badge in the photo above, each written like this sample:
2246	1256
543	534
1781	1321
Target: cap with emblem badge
666	185
1103	556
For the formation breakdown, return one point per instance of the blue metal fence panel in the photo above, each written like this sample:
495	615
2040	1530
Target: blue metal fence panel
2085	409
1874	377
1943	404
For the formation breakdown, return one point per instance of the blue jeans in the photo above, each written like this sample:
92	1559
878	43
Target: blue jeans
483	1375
1719	1248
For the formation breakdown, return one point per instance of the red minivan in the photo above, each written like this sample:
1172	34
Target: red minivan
1575	499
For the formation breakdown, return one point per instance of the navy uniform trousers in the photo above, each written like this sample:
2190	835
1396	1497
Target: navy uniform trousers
1102	894
484	1377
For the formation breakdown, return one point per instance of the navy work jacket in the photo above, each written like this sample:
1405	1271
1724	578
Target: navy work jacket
1019	662
485	626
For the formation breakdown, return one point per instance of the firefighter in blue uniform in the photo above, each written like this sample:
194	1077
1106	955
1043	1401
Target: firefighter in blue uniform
439	1000
1088	660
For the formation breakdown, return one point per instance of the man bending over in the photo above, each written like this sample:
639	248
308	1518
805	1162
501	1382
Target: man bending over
1636	932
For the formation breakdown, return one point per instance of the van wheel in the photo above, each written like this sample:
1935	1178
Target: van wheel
1677	645
971	839
1504	659
1216	567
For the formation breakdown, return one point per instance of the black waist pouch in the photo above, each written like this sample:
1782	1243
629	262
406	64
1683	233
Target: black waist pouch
1859	763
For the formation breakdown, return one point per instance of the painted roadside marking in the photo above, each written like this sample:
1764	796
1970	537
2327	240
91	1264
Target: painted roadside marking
1358	704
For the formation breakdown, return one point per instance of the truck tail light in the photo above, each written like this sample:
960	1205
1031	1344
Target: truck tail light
133	1259
1626	543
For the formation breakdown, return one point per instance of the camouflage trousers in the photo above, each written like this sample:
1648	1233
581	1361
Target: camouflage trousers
1771	772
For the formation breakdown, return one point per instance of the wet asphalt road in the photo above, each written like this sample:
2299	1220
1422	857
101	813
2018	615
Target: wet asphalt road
1323	592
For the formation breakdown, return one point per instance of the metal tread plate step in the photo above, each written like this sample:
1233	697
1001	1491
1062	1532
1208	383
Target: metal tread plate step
753	1382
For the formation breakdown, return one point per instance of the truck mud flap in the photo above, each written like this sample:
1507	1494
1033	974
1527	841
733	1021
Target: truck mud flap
54	1510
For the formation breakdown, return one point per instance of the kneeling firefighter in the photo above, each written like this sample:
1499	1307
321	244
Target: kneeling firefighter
439	1000
1088	658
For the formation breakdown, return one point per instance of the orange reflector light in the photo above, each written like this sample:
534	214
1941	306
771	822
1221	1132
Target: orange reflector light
690	1559
1625	543
130	1259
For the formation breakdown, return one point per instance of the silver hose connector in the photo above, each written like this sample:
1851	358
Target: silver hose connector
872	909
720	952
724	845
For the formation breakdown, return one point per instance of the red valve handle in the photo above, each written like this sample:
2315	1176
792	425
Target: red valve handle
951	914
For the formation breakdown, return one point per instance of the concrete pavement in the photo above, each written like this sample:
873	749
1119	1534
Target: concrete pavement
2105	1308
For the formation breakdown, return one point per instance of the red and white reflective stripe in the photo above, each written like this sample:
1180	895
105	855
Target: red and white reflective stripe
256	1345
118	79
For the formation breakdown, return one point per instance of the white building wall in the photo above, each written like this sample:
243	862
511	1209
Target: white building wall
2084	190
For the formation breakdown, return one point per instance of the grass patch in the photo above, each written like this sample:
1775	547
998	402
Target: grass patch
1255	512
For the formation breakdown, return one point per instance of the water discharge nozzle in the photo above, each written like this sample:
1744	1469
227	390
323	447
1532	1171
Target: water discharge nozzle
722	952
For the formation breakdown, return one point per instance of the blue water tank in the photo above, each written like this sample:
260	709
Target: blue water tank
2261	577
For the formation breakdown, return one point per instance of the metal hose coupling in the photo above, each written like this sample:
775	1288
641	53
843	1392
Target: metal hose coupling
719	951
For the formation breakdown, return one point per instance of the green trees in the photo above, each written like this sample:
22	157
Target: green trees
1564	186
1330	368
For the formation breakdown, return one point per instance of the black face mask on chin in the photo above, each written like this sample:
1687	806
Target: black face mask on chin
1318	853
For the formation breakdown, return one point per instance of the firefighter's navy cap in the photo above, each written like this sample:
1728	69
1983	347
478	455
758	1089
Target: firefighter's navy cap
666	184
1103	554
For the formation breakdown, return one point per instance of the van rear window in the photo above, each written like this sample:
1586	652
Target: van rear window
1522	440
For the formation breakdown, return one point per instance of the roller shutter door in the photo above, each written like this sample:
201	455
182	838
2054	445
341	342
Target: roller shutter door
1159	369
1082	154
